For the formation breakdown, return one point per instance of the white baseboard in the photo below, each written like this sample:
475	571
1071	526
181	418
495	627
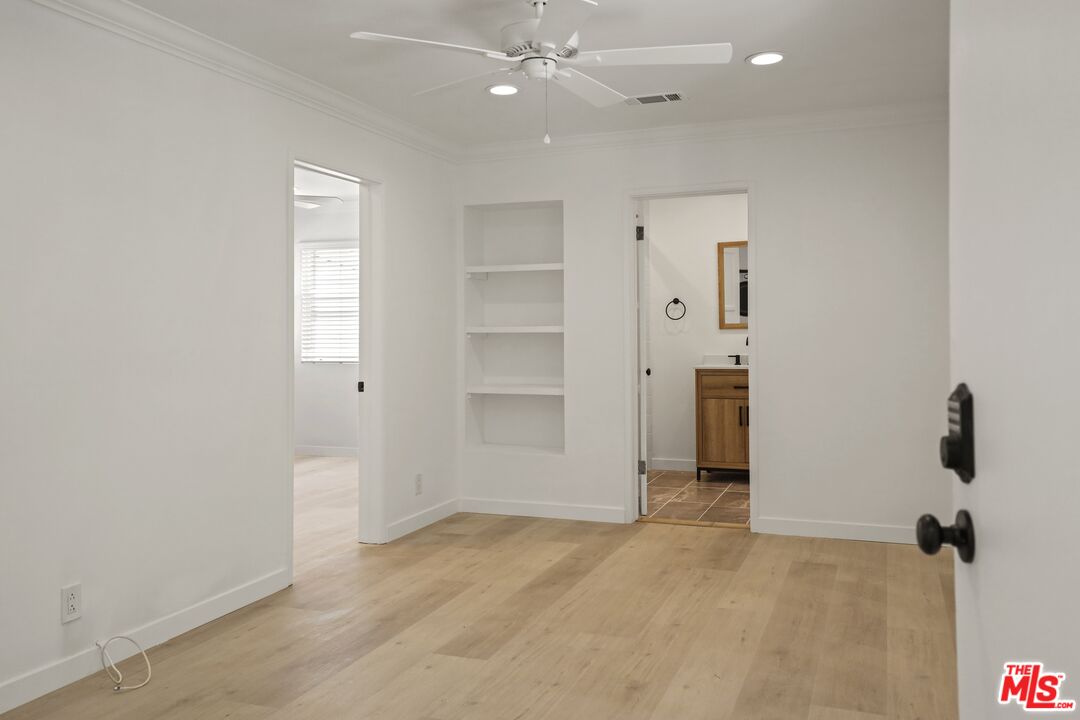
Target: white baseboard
327	451
596	513
422	519
903	534
40	681
673	464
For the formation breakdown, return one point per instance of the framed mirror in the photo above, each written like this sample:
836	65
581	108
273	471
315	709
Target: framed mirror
733	280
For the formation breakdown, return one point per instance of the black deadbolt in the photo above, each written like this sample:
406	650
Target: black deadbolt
931	535
958	447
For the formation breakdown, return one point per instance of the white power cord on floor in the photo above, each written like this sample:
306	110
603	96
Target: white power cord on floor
113	671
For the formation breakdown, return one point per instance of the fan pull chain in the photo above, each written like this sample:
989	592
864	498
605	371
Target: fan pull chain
547	109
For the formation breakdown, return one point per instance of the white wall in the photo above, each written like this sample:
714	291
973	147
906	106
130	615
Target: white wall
144	302
682	235
326	409
849	334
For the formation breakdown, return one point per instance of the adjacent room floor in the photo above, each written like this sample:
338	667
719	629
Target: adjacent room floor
721	498
325	497
485	616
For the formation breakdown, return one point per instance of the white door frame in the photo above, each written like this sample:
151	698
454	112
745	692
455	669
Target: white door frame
371	511
634	372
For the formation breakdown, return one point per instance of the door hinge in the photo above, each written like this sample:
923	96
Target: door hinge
360	386
640	232
641	469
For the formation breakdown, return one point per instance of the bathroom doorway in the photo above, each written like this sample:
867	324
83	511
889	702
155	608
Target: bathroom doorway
694	319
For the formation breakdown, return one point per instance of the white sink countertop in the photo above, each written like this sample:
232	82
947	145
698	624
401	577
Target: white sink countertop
723	362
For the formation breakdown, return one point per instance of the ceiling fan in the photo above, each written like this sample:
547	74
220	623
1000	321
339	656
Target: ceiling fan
545	47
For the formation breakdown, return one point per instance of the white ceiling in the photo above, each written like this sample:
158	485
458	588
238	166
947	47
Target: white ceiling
309	182
840	54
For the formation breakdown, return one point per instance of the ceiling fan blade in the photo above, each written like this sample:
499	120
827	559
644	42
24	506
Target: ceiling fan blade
709	54
561	19
502	72
585	87
494	54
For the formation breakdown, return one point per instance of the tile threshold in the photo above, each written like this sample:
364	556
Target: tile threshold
699	522
693	523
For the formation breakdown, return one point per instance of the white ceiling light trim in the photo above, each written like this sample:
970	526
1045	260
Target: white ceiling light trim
768	57
502	89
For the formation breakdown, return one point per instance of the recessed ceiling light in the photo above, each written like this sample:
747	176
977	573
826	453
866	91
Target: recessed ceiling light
770	57
502	89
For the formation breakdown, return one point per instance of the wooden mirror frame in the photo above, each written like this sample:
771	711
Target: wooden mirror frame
720	247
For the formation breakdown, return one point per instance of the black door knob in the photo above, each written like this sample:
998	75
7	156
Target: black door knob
931	535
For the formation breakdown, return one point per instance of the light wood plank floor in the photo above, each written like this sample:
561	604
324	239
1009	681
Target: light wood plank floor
483	616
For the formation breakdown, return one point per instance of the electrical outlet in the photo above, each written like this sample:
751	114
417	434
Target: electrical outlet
70	603
419	483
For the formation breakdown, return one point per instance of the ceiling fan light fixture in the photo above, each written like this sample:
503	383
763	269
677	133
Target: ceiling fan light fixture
768	57
502	89
535	49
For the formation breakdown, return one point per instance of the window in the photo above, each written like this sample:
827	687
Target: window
329	303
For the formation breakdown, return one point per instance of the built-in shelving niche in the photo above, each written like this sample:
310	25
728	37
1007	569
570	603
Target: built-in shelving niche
514	327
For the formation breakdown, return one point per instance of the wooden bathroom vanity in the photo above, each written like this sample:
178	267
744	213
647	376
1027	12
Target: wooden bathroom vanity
723	418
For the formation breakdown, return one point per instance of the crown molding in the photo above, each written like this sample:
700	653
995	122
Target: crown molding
148	28
865	117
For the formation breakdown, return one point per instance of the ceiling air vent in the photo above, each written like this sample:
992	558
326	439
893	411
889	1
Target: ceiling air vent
654	99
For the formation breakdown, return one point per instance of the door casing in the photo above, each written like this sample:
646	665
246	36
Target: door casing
633	368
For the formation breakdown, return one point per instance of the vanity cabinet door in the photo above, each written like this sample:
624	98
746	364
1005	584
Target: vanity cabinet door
722	432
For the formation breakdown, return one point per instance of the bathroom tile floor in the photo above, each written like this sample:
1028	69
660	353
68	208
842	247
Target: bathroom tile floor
721	498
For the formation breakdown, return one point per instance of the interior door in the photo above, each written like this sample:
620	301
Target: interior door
644	372
1015	304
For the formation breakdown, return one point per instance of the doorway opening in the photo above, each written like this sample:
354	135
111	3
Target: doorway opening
694	320
330	240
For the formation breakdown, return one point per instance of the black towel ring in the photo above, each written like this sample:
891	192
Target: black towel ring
667	310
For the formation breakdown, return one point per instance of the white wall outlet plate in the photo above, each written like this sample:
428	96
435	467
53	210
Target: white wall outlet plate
419	483
70	602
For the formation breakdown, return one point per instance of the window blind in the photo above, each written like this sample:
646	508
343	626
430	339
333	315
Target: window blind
329	303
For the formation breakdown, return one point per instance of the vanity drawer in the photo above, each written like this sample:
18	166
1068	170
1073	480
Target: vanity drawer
724	383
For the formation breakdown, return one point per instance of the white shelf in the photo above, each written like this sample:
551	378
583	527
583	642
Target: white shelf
514	305
511	329
533	389
523	267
